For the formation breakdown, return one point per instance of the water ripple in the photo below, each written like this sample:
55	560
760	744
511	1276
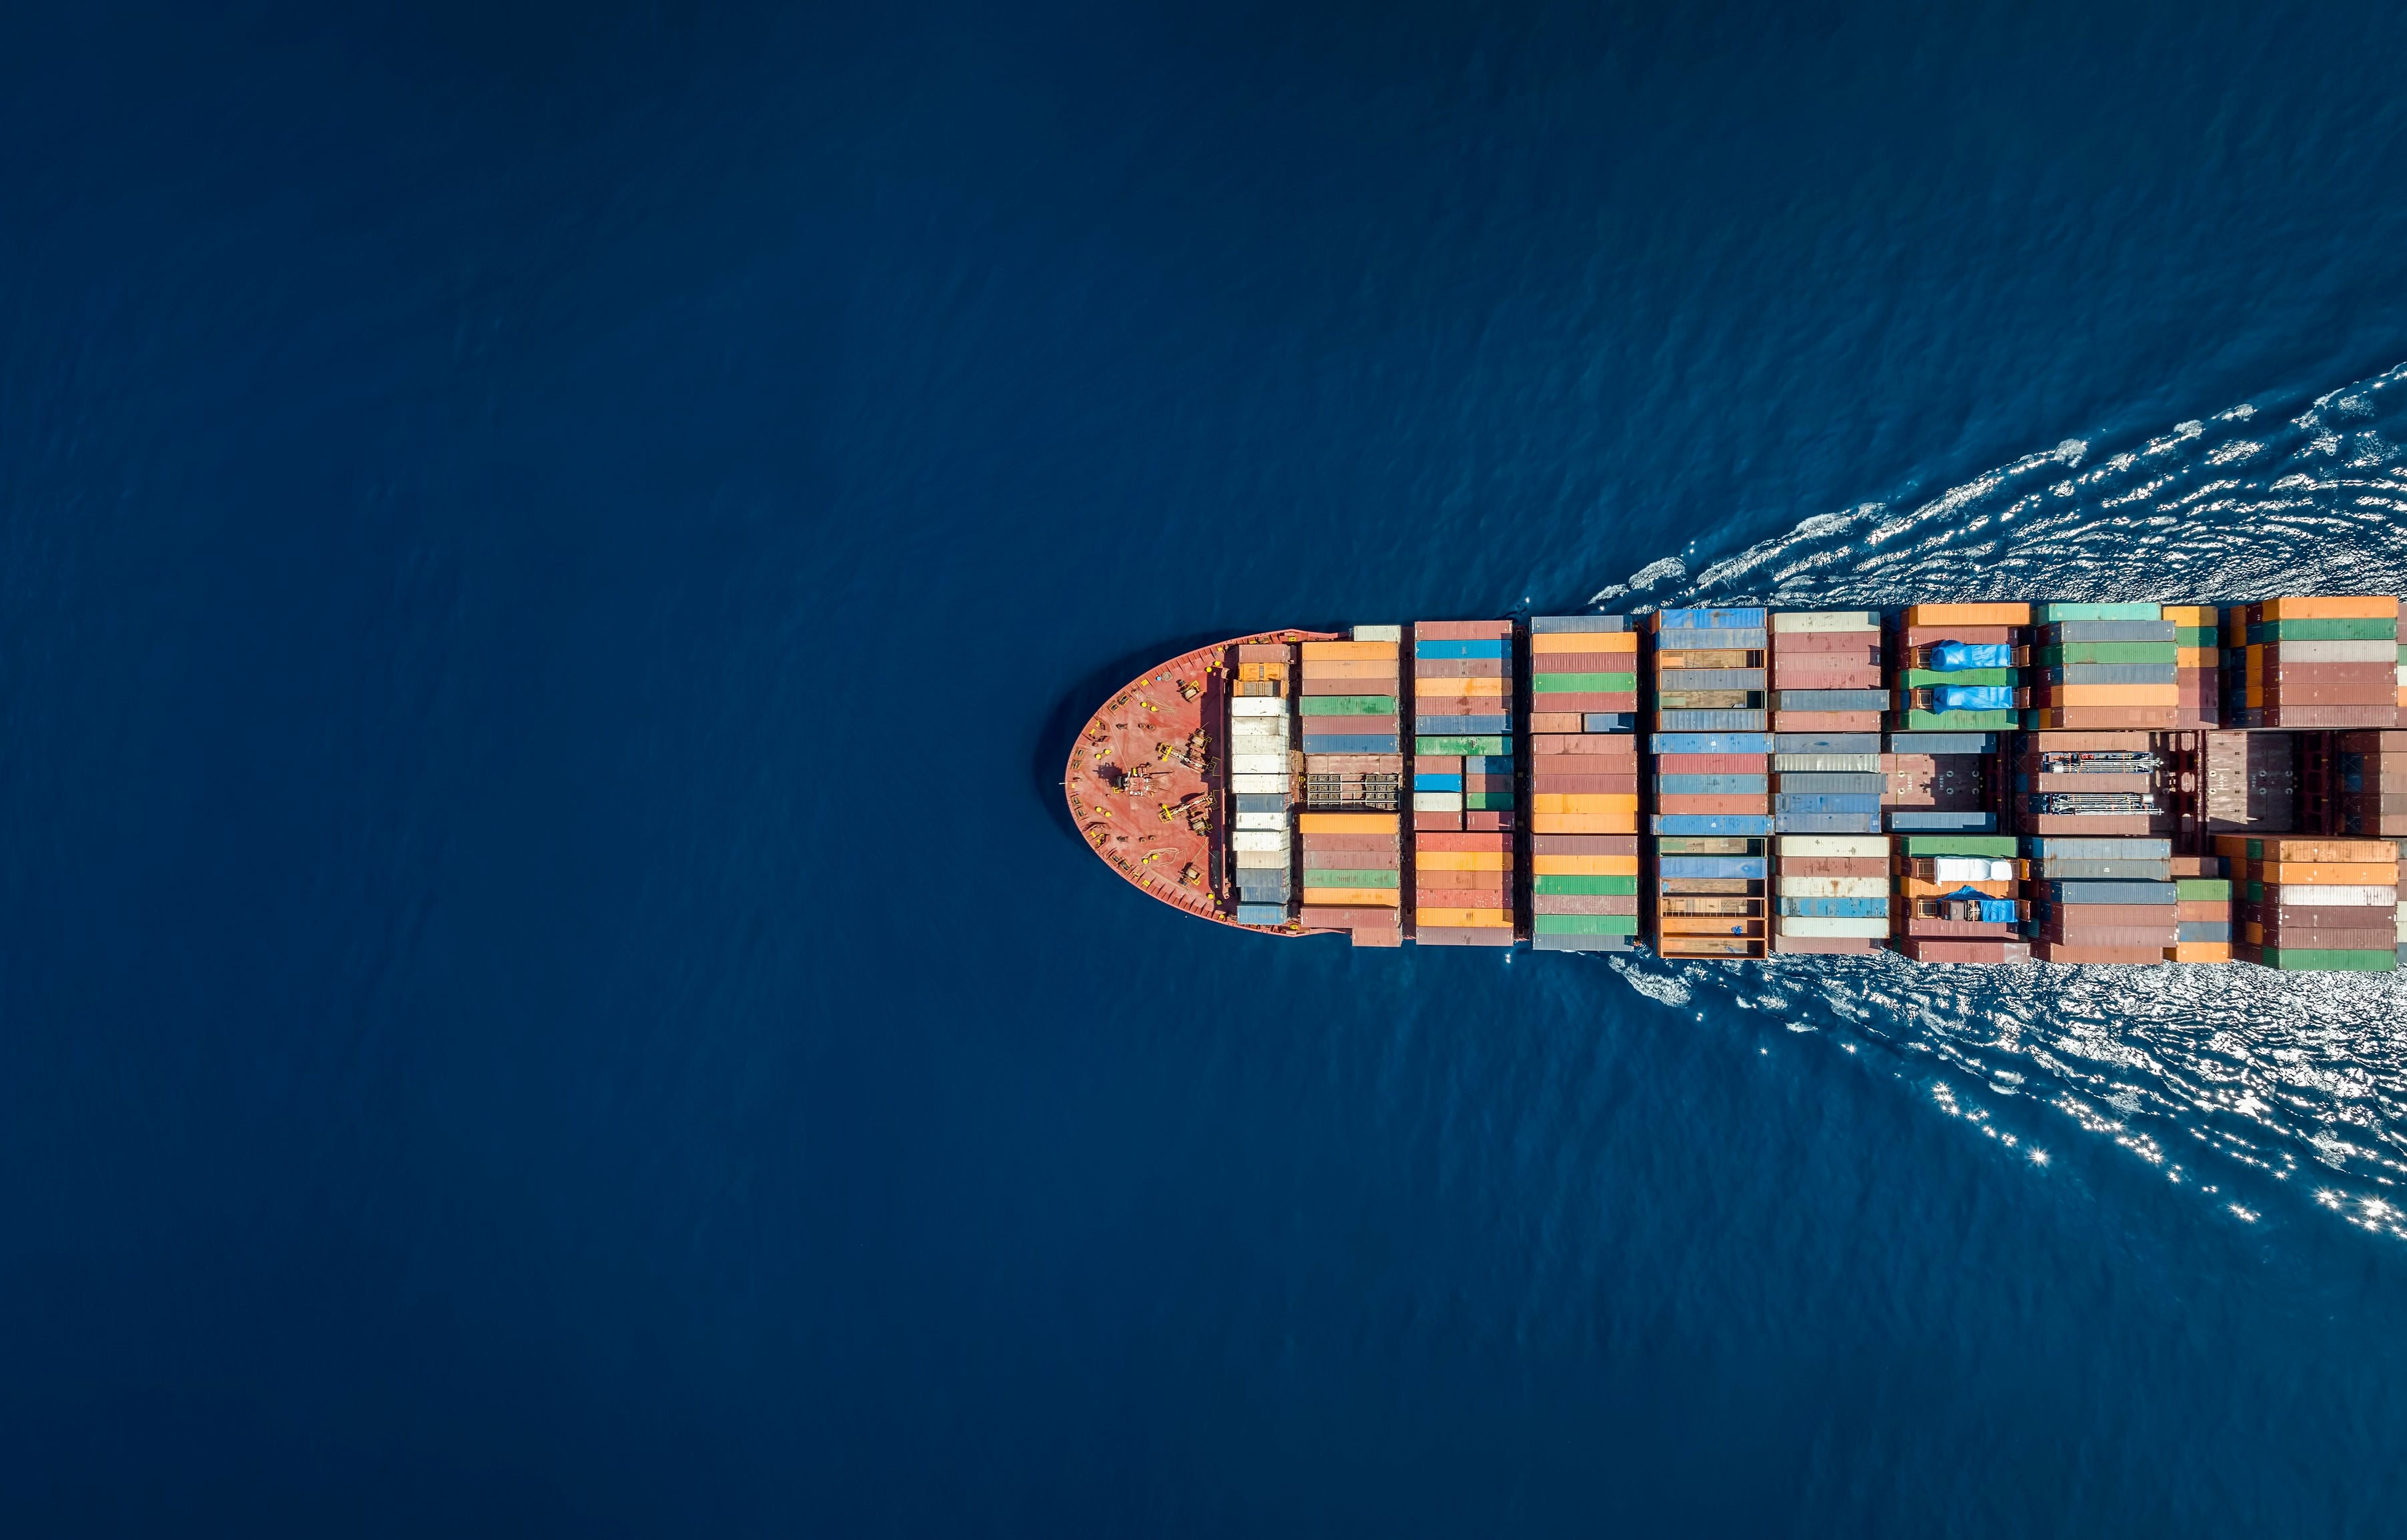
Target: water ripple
2264	1092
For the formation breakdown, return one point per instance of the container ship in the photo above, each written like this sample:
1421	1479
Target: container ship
1960	783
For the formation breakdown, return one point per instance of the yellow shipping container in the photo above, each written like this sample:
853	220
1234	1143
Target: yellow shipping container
1964	614
1480	919
2195	657
1463	861
1355	898
1585	641
1583	802
2191	617
1347	652
2315	848
1584	866
1583	824
2198	951
2362	607
1345	824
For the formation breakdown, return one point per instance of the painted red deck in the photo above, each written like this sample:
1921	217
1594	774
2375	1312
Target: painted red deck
1135	777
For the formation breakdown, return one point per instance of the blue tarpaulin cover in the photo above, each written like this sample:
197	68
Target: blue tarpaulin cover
1948	657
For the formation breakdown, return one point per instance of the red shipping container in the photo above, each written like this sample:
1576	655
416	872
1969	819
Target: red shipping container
1605	745
1436	822
1546	781
1715	806
1437	764
1713	765
1487	819
1585	702
1928	636
1861	647
1826	722
1462	668
1465	842
1347	842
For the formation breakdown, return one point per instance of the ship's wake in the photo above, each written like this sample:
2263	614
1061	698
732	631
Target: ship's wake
2272	1095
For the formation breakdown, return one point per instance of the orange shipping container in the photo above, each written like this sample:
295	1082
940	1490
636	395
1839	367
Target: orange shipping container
1583	824
1942	615
1469	918
1583	802
2355	607
1355	898
1462	687
1345	824
1463	861
1347	652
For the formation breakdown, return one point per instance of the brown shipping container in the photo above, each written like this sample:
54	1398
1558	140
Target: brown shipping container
1544	781
1826	722
1583	845
1583	663
1463	669
1348	842
1713	765
1591	701
1332	917
1262	652
1463	630
1958	929
1833	866
1347	686
1856	646
1555	721
1466	842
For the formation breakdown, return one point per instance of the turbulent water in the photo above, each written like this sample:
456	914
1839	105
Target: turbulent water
550	558
2249	1087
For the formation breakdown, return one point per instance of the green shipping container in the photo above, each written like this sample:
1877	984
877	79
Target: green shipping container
1569	886
1465	745
1487	801
1958	844
1923	678
1961	721
2289	960
2200	888
2110	652
1321	876
1583	684
1584	924
2198	636
2323	631
1347	706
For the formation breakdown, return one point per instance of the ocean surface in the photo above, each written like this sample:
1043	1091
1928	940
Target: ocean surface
549	558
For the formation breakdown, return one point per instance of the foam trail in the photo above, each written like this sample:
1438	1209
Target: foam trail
2273	1096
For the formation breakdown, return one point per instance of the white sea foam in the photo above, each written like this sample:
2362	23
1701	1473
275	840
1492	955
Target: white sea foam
2221	1077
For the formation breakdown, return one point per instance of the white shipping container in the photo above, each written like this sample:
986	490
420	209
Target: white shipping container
1969	869
1258	743
1257	786
1833	887
2340	652
1258	705
1262	820
1256	764
1276	860
1257	839
1823	620
1437	802
1857	846
1380	634
2298	895
1832	925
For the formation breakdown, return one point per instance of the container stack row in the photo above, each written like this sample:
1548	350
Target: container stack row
2104	667
2320	663
1583	765
1261	783
2202	896
1831	892
1826	672
2314	902
1959	668
1349	702
2198	674
2373	775
1353	875
1463	812
2101	900
1709	670
1959	898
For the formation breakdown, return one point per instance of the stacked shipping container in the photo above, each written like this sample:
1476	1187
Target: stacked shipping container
2104	666
2101	900
2314	663
1834	893
1260	782
1826	672
2373	802
1463	812
1957	898
1959	668
1349	703
1713	786
1583	783
2315	902
2202	896
2198	695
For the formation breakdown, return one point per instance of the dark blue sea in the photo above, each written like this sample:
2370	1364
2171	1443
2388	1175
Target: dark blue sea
549	558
